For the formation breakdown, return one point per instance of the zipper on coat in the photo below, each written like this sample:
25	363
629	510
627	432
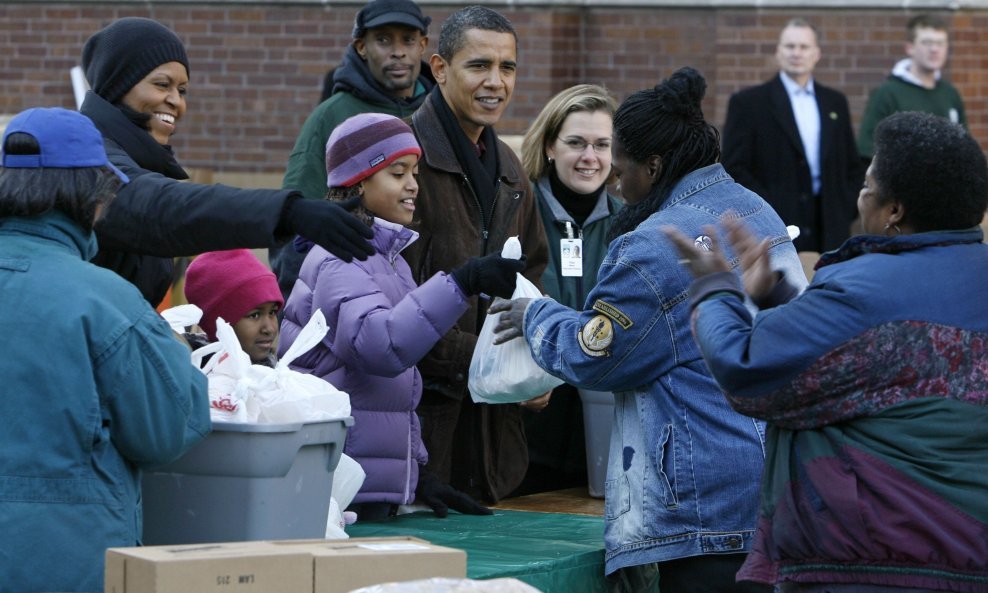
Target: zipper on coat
408	496
484	219
579	279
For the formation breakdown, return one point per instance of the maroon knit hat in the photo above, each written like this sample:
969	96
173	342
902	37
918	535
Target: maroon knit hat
229	284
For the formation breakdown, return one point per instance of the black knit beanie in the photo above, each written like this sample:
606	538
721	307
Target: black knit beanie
122	54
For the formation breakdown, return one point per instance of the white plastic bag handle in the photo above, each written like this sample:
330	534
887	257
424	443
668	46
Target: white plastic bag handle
182	316
313	332
229	343
200	353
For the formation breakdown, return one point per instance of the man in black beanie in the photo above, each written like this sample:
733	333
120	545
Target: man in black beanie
381	73
139	73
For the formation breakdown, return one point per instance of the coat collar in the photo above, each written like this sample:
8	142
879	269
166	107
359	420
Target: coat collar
695	181
437	150
864	244
137	143
782	111
355	78
390	238
53	226
600	210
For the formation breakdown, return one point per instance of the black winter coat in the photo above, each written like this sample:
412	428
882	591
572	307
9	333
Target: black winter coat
763	152
155	218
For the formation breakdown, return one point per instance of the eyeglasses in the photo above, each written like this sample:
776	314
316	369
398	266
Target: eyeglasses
579	145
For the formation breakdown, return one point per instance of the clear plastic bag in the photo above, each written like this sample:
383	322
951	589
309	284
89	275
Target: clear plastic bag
507	373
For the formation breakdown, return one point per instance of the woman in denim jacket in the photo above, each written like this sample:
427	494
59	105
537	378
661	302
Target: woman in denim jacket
681	494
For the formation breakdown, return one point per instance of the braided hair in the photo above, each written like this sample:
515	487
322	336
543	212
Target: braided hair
666	121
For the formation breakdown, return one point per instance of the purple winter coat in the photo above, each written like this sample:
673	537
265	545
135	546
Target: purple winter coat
380	326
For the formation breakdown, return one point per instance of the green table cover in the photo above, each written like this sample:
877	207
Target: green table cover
553	552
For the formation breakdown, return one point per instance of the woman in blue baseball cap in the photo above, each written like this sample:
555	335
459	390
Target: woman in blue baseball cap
139	73
95	385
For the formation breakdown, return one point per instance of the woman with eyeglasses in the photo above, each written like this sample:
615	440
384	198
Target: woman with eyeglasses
567	155
681	496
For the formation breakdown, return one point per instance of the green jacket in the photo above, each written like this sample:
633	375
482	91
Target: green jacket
354	92
572	291
897	94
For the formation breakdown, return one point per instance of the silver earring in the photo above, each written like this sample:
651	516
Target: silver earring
888	226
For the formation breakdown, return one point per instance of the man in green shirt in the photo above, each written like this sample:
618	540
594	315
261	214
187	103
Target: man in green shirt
381	73
916	83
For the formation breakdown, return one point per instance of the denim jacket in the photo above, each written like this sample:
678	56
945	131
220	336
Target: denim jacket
684	469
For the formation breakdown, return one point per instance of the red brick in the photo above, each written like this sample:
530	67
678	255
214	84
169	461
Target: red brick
257	70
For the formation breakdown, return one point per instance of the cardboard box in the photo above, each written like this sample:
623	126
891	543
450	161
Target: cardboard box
344	565
205	568
291	566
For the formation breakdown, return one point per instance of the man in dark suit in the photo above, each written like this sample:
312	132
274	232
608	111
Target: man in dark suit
790	140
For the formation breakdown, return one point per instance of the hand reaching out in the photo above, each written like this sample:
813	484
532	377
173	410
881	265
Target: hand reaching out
511	325
538	403
756	271
700	262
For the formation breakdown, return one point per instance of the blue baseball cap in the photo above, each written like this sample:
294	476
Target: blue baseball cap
68	140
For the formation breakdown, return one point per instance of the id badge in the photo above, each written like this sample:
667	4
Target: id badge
571	257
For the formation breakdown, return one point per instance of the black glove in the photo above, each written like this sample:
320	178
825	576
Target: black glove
329	225
492	275
442	497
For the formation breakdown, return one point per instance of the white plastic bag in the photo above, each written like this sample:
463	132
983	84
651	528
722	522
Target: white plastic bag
182	316
347	480
507	373
243	392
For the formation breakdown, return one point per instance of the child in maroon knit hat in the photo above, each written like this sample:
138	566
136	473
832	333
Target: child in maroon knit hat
236	286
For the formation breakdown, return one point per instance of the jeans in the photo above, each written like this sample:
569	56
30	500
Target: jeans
696	574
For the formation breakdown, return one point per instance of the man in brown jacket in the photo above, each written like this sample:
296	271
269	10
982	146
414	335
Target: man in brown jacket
473	195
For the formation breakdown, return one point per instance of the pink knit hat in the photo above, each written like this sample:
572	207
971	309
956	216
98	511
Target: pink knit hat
229	284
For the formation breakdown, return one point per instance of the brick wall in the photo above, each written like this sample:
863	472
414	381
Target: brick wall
257	70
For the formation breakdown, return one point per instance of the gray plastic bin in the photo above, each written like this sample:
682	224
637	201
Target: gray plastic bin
246	482
598	416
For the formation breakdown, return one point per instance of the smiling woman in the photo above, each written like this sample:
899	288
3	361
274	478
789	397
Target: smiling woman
567	156
161	97
139	73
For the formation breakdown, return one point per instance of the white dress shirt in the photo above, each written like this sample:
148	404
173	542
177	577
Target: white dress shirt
807	112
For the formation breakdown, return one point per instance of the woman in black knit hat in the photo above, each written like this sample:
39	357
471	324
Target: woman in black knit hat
139	74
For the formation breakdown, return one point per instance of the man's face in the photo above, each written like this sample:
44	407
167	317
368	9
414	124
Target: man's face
928	50
394	56
477	83
797	52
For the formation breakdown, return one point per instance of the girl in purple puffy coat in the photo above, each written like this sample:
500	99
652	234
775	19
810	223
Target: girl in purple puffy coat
380	323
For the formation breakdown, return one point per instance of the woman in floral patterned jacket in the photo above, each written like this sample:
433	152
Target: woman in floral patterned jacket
874	381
